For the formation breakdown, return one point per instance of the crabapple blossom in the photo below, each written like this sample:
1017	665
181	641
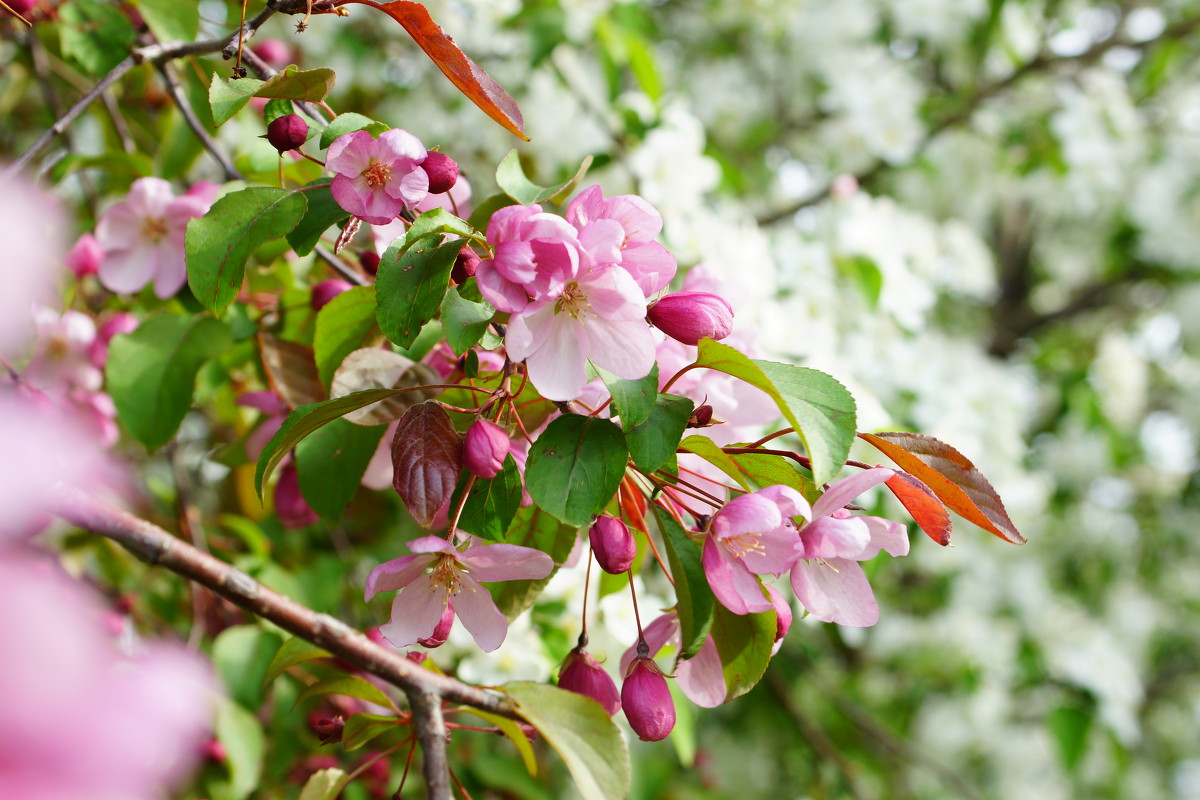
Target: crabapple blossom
536	254
31	225
376	179
453	575
142	237
635	223
583	675
647	701
485	447
613	544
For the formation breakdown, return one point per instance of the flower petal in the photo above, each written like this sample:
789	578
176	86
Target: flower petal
702	678
845	490
395	574
416	611
734	586
775	553
791	503
749	513
658	634
830	537
507	562
835	590
885	535
478	612
127	271
432	544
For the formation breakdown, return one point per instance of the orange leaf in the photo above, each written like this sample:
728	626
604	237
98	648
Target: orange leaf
464	73
929	512
951	477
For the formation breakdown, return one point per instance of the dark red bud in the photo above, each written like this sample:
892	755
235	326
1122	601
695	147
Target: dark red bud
647	701
583	675
442	171
465	264
327	729
701	417
287	132
441	631
369	260
613	545
325	291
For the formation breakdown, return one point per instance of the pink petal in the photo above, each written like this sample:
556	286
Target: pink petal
734	586
749	513
602	241
395	144
658	634
790	502
478	612
702	678
835	591
395	574
829	537
416	611
885	535
507	562
845	490
127	271
350	154
624	348
432	544
515	261
557	364
651	265
777	551
502	293
172	271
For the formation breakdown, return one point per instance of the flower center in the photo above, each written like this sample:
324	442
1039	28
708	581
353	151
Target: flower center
573	302
377	175
154	228
744	543
445	572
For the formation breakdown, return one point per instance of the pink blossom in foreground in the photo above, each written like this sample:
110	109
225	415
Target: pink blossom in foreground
583	675
636	224
452	575
81	722
600	317
536	254
752	535
701	677
142	238
377	178
31	227
827	578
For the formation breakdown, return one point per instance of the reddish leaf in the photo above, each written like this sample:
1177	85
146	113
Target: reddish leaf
929	512
464	73
427	459
952	478
291	370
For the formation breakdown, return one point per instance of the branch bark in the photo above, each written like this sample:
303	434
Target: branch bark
431	731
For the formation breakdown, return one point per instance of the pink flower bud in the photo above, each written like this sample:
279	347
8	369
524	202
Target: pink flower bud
487	445
22	7
287	132
689	317
613	545
442	171
583	675
441	631
647	701
85	256
701	417
325	291
327	729
291	507
370	261
465	264
273	51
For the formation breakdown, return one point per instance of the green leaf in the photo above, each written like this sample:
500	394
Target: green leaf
362	728
411	284
347	686
515	734
492	504
865	273
654	441
293	83
324	784
170	20
95	35
439	220
711	452
294	651
575	467
744	643
330	464
242	655
464	322
633	400
1070	727
349	122
242	734
322	213
582	734
822	411
151	372
532	527
768	469
274	109
226	97
696	601
510	177
342	325
218	244
482	212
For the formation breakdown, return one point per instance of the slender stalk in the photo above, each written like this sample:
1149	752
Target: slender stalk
193	122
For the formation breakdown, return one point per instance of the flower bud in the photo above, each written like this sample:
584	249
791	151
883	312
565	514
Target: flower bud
273	51
442	171
613	545
701	417
369	260
689	317
486	446
85	256
325	291
287	132
121	322
327	729
583	675
465	264
647	701
441	631
290	506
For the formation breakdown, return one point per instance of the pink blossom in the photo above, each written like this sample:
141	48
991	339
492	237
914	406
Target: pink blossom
457	201
701	677
689	317
85	256
453	575
61	361
31	227
600	317
142	238
827	578
647	701
115	325
536	254
612	544
485	447
637	224
377	178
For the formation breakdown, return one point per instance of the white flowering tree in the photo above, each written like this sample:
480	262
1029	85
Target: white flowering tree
614	383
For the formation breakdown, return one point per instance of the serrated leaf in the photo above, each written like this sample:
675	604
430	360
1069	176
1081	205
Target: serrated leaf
95	35
492	503
951	476
710	451
511	178
151	372
349	122
633	400
438	220
464	322
575	467
325	784
292	83
427	459
696	602
464	73
322	213
919	500
362	728
294	651
411	284
822	411
581	733
347	686
342	325
218	244
330	464
227	96
744	643
532	527
291	370
769	469
654	441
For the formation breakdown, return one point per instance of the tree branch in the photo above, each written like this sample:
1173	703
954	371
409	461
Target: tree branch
431	731
193	122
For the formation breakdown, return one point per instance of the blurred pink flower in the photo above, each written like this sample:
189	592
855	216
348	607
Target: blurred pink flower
85	256
453	575
142	237
377	178
31	227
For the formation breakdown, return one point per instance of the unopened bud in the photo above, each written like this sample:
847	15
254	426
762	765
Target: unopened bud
441	631
442	171
287	132
327	729
370	261
689	317
613	545
486	446
85	256
583	675
647	701
701	417
214	751
325	291
290	506
465	264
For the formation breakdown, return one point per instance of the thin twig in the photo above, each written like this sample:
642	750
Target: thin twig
431	731
189	116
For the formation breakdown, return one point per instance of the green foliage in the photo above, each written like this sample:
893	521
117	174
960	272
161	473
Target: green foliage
330	463
411	283
342	326
575	466
321	213
653	442
492	503
696	604
512	180
94	35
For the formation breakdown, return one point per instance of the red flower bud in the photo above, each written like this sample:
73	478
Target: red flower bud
442	171
613	545
465	264
85	256
701	417
325	291
287	132
369	260
327	729
647	701
486	446
291	507
689	317
441	631
583	675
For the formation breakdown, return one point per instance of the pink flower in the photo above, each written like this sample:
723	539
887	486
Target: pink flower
601	317
142	238
827	579
452	575
689	317
31	227
647	701
290	506
62	361
752	535
377	178
636	223
583	675
701	677
536	254
485	447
